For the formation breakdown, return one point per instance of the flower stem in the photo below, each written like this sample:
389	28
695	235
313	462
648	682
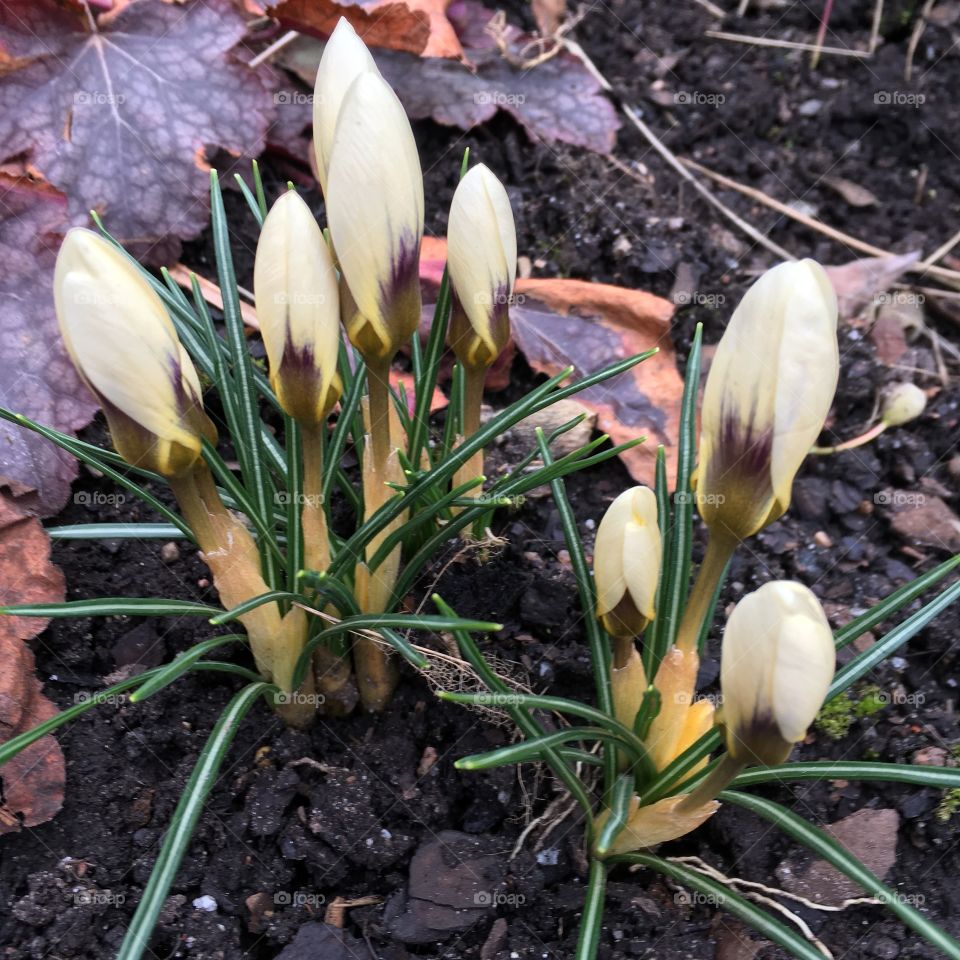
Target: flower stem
316	544
855	442
719	777
474	378
720	548
378	389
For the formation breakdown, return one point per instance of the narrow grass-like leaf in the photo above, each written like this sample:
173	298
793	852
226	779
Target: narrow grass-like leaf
538	399
591	920
681	766
83	452
681	533
532	750
560	705
170	672
525	721
13	746
182	824
823	845
728	899
600	653
942	778
620	799
653	638
249	428
864	662
896	601
112	607
115	531
349	406
273	596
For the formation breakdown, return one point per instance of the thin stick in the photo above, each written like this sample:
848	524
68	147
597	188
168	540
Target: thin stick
274	47
786	44
822	34
875	26
915	36
949	276
742	9
674	162
712	9
940	252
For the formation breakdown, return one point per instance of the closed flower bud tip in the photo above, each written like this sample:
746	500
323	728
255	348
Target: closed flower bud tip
903	402
767	395
126	349
295	286
345	57
482	259
627	563
375	213
777	663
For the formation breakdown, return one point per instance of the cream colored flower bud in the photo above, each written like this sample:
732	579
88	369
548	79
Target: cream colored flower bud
126	349
768	393
903	402
626	563
344	58
298	307
375	214
482	260
776	665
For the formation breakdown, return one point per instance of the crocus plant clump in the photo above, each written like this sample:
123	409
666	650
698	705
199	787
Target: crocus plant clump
313	553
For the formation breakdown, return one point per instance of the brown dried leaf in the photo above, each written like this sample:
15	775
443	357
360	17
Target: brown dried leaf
561	323
37	378
853	193
33	781
118	110
416	26
857	283
556	100
590	326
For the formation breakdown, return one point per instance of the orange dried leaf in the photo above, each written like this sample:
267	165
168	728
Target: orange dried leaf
33	781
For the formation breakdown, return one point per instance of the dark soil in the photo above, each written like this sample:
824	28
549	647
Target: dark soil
299	819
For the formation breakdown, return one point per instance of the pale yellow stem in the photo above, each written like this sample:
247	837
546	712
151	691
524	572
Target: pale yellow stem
718	778
474	378
720	549
316	543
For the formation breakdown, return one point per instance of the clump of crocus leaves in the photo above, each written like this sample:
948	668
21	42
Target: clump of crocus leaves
316	490
668	756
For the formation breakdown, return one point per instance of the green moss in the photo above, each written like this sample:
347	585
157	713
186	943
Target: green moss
872	701
949	805
836	717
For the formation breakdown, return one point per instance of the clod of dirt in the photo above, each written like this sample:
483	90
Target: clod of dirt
320	941
455	880
342	814
139	647
926	521
870	835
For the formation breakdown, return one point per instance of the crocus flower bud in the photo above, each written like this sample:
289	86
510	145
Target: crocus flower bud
375	213
345	57
776	666
126	349
904	402
626	563
768	393
298	307
482	259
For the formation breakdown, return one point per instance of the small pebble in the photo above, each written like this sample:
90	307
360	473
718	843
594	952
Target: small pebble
822	539
205	903
170	552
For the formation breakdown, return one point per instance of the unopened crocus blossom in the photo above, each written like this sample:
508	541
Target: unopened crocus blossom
345	57
298	308
626	563
768	393
482	260
777	663
902	403
375	214
126	349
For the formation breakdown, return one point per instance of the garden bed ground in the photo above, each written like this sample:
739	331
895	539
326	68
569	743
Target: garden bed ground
298	819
